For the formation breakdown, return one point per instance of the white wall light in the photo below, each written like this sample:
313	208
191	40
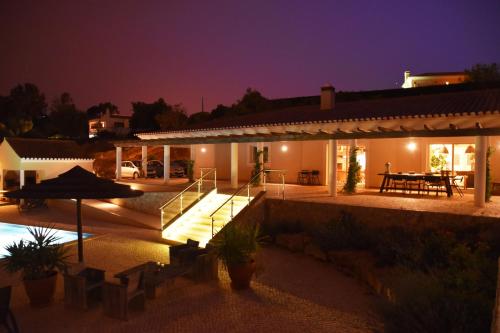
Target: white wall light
412	146
203	150
284	148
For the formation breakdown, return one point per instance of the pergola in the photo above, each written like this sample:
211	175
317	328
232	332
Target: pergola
470	114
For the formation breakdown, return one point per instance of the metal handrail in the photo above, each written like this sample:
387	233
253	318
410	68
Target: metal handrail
247	185
198	182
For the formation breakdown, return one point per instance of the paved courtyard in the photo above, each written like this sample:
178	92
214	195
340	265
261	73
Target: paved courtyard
293	292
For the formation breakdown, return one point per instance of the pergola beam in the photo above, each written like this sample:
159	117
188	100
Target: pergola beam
295	136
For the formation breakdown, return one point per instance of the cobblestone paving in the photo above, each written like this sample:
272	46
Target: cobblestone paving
294	293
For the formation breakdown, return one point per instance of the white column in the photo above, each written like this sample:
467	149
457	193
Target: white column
166	163
21	178
234	164
332	167
193	152
118	163
480	171
144	160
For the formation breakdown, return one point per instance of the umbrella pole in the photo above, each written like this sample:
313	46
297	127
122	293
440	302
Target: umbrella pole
79	229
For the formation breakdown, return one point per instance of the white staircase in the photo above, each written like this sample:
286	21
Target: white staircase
196	223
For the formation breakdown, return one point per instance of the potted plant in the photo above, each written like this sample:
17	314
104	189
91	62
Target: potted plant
37	260
190	170
236	246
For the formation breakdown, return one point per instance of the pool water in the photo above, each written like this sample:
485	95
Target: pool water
10	233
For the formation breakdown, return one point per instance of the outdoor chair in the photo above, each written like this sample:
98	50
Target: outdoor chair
117	298
6	317
180	254
303	177
434	184
315	177
414	185
83	287
200	263
399	182
455	184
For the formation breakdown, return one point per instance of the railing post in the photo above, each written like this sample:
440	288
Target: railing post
283	185
199	189
181	202
248	193
264	179
212	226
215	178
232	204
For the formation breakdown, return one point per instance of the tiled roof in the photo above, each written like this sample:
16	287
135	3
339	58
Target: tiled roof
439	74
431	104
47	149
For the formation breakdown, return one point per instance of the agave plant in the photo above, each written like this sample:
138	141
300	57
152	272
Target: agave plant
39	257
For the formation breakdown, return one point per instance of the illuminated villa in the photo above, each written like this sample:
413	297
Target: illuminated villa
409	131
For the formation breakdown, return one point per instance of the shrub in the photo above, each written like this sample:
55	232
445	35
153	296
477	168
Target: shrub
397	245
424	305
276	228
343	234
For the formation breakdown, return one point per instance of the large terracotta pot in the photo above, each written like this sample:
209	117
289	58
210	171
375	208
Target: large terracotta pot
241	274
41	291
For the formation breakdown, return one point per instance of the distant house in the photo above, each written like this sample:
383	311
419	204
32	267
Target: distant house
433	79
113	123
24	161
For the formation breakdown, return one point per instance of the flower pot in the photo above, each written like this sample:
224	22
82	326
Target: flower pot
241	274
41	291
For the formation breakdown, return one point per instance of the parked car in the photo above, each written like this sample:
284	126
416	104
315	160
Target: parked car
138	164
130	170
155	169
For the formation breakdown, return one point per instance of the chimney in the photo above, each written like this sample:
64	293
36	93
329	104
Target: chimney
407	75
327	97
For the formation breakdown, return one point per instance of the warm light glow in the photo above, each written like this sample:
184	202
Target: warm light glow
412	146
284	148
203	150
447	83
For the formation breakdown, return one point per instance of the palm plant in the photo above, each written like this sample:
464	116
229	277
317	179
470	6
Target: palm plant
236	244
37	258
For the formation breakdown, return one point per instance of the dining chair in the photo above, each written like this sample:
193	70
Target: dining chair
433	183
455	184
315	177
303	177
398	182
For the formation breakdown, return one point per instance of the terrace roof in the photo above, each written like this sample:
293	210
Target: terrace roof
435	111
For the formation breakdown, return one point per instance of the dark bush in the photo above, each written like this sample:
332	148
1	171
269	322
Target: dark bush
276	228
397	245
424	305
343	234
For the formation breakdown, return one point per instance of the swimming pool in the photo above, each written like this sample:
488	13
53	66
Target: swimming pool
10	233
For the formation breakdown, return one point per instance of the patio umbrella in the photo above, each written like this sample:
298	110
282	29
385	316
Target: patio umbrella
77	184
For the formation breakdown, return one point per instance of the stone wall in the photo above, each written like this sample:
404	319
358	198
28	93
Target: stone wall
148	203
309	214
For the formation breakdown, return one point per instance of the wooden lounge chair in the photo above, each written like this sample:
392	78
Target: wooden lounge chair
83	287
184	253
200	263
7	319
118	297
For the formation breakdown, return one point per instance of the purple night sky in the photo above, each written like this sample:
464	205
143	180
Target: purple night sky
123	51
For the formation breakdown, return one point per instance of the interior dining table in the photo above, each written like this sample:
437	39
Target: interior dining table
410	176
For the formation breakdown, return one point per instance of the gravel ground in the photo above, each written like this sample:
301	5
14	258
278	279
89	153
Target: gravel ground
293	293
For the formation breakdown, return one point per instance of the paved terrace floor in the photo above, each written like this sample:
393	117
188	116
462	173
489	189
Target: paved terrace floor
293	293
364	197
